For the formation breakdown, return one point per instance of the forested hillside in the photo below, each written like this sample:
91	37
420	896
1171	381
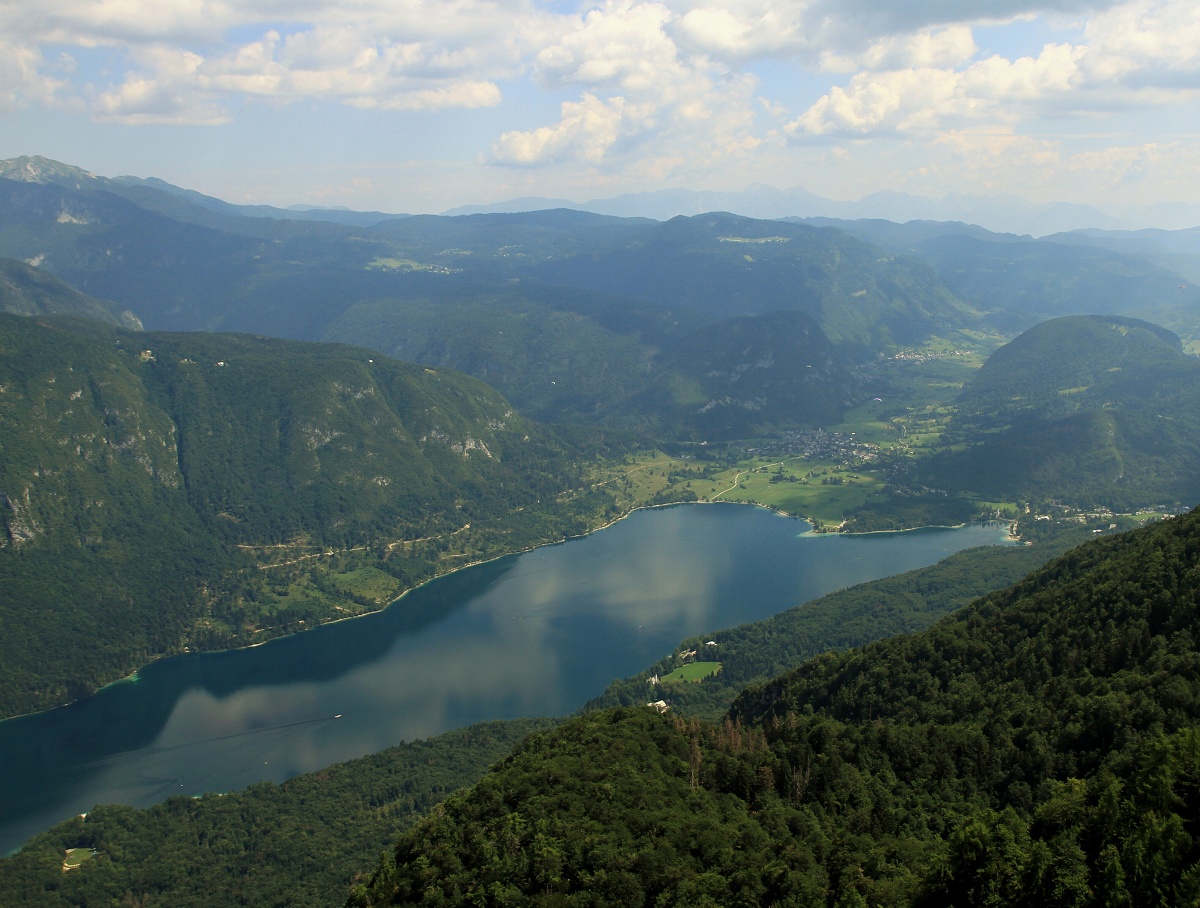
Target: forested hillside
1019	281
145	477
1039	747
299	843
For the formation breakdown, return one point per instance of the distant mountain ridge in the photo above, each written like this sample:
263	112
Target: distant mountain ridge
562	286
148	191
621	294
1005	213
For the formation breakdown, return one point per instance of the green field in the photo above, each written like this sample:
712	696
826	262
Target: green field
76	856
905	417
367	583
693	671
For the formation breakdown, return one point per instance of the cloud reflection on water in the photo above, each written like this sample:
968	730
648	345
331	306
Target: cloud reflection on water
538	634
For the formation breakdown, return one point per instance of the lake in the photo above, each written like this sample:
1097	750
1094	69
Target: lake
533	634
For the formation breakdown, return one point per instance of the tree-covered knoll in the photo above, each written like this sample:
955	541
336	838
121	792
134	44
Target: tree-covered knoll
1040	746
299	843
165	491
1075	363
1088	410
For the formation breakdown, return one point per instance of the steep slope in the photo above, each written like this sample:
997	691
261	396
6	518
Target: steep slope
141	475
298	843
743	376
1039	747
171	274
556	354
184	205
1090	410
25	290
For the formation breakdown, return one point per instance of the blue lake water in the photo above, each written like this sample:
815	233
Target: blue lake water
528	635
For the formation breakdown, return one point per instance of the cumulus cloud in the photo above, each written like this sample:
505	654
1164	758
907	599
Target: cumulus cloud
1145	43
640	93
1146	52
622	45
586	131
659	88
1000	160
23	79
181	65
837	31
946	47
172	95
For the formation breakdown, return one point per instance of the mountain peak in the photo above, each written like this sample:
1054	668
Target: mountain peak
39	169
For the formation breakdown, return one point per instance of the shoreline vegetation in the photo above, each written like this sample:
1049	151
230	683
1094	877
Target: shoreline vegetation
628	507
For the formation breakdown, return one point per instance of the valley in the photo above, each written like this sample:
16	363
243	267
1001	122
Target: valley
225	425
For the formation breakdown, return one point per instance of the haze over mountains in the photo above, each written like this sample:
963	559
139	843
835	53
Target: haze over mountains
1001	213
640	291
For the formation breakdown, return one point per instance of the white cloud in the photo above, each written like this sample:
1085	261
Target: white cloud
838	31
22	79
174	95
348	65
644	101
621	44
1144	53
1135	173
410	55
654	90
587	130
1145	43
740	32
948	47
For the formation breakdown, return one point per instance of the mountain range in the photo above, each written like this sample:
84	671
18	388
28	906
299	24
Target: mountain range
1001	213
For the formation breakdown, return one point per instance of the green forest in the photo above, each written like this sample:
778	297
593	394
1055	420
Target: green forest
298	843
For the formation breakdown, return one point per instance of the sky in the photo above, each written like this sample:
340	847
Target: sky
422	105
